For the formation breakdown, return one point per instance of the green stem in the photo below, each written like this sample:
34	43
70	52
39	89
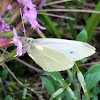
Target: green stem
86	94
84	87
76	67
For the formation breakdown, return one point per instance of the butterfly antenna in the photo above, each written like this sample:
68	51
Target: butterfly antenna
22	22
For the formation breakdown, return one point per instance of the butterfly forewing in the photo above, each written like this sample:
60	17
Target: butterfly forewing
48	59
74	50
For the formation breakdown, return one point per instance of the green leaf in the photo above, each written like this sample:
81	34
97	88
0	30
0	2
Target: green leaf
94	92
8	97
95	98
92	80
67	97
7	20
7	34
82	36
4	74
49	86
55	75
94	68
92	23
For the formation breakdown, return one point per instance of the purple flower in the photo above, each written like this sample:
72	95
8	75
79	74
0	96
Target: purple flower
31	15
27	3
18	43
22	29
5	84
2	39
4	27
9	7
35	24
42	3
20	1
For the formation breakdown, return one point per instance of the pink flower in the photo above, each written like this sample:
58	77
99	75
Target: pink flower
18	43
42	3
9	7
31	15
27	3
35	24
20	1
2	39
4	27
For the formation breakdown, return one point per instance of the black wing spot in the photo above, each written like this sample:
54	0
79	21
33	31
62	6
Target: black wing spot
71	52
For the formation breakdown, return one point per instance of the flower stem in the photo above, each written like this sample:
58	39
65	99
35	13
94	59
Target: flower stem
76	67
82	81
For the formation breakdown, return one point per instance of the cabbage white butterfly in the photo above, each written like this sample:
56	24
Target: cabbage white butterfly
56	54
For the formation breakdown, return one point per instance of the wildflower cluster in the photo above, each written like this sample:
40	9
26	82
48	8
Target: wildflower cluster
29	13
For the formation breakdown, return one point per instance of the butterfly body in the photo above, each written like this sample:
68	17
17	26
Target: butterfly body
56	54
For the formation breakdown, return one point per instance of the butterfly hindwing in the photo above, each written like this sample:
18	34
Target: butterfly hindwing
48	59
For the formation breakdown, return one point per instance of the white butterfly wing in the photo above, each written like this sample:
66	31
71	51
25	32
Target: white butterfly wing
74	50
50	60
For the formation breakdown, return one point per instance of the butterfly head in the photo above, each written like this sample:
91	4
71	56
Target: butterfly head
27	42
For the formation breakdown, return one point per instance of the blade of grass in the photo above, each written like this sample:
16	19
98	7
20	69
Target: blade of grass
92	23
51	25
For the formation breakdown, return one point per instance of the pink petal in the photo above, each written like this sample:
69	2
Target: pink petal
42	3
19	48
30	14
35	24
2	39
4	27
9	7
15	34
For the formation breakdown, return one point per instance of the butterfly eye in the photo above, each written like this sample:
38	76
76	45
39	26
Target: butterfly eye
28	41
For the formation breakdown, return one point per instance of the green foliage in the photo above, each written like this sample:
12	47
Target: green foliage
8	98
3	74
92	81
94	68
92	23
49	86
82	36
57	77
92	78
